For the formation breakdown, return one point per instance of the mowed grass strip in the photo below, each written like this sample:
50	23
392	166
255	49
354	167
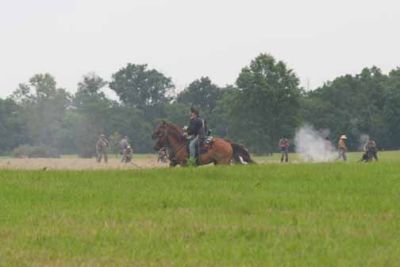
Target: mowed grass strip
263	215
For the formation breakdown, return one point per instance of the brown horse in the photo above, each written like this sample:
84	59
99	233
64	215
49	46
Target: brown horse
219	151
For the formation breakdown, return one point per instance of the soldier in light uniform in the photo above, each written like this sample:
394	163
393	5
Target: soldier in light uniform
127	154
163	155
342	148
102	145
123	145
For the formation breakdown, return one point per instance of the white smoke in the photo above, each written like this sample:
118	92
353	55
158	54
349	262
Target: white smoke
363	141
313	146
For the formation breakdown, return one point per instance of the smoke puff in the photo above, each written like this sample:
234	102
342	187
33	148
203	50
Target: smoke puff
312	145
363	141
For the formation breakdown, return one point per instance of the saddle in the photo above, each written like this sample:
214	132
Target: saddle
206	144
203	145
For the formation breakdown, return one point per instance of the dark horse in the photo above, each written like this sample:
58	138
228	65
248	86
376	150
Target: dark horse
218	151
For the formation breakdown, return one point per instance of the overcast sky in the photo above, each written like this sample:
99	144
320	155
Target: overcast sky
187	39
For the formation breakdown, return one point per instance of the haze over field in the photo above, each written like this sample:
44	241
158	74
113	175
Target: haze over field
320	40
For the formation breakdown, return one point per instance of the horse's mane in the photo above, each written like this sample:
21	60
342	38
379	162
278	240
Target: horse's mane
176	130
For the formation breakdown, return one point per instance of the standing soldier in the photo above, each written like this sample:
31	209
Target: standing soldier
102	145
123	145
284	146
372	150
342	147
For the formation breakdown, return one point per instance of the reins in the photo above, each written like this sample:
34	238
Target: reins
169	143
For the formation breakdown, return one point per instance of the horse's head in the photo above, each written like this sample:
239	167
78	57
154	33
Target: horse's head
161	134
158	131
165	130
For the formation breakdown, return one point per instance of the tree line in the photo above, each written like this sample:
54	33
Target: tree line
265	103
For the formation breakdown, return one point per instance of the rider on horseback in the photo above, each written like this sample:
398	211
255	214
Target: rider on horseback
216	150
195	132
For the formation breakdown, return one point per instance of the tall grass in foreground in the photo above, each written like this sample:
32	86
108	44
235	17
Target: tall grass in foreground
264	215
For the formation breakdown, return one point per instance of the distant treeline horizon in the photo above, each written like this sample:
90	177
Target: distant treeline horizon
265	103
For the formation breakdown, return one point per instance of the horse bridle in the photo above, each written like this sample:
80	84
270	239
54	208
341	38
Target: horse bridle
167	143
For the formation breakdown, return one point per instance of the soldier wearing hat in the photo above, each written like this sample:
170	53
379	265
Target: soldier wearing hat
342	147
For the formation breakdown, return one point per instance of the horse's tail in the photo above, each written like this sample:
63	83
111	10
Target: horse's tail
241	155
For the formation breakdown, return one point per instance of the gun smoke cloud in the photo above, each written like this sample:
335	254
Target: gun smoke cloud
313	145
363	141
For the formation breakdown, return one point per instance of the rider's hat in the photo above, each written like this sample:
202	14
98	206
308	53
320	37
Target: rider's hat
194	110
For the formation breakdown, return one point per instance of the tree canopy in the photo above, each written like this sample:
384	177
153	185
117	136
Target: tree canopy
265	103
140	87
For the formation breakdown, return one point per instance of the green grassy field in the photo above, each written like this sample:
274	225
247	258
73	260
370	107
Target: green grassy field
265	215
388	156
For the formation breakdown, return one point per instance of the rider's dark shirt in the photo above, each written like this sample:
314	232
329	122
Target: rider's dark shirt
195	126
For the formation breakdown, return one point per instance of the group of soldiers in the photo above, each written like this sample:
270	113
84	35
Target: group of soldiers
370	149
103	145
195	132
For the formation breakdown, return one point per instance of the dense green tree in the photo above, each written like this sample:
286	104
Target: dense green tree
43	108
93	109
92	102
391	110
266	104
11	126
140	87
349	104
177	113
91	85
201	93
219	121
132	123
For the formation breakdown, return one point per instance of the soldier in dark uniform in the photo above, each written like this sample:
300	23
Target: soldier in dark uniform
372	150
284	146
195	132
